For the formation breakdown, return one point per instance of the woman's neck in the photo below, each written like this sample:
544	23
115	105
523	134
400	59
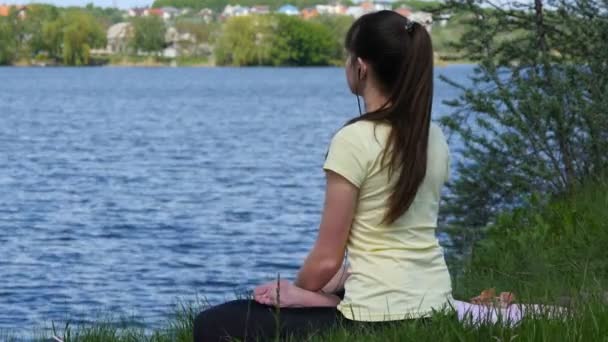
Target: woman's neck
374	100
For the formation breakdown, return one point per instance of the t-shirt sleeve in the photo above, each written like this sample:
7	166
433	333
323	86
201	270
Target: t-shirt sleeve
347	157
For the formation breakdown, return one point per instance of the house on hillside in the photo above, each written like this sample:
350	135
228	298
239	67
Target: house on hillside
136	12
156	12
206	14
331	9
355	11
288	10
5	10
177	43
170	12
380	5
119	36
424	18
404	11
184	44
235	11
443	19
260	9
309	13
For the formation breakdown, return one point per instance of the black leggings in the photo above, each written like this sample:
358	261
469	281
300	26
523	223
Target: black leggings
247	320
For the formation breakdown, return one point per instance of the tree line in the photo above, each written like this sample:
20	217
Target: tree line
69	35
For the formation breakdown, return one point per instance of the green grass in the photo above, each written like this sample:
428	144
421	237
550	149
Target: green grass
588	321
554	253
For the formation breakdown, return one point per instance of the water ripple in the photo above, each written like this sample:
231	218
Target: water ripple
126	189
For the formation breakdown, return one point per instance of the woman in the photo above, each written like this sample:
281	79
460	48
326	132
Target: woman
385	170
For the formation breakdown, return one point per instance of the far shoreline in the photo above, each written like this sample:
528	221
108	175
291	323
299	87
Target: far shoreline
441	64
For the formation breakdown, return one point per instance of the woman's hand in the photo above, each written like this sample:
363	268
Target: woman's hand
282	294
286	295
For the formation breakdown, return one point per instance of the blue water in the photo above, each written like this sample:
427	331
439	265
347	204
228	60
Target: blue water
126	190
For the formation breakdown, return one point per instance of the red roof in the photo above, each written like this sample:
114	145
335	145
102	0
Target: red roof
156	11
4	10
308	13
406	12
367	5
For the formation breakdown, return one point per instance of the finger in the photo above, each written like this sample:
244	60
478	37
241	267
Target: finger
261	289
266	300
261	300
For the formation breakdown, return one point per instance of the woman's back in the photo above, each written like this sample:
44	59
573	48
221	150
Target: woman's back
398	270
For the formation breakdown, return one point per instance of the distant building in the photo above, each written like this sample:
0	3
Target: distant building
260	9
170	12
156	12
331	9
424	18
367	6
206	14
443	19
380	5
404	11
289	10
5	10
355	11
309	13
136	12
235	11
178	43
173	36
118	37
382	2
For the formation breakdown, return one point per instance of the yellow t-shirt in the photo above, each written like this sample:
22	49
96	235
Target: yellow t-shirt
397	271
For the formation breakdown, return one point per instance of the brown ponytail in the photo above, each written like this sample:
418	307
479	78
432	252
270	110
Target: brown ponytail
400	53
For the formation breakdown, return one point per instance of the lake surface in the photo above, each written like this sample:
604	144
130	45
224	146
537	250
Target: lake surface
125	190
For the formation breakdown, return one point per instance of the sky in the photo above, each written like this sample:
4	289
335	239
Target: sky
102	3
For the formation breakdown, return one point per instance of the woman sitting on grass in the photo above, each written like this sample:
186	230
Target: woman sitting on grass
385	170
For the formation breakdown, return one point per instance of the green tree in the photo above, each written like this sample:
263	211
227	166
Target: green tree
274	40
419	5
20	35
338	27
38	16
534	120
245	40
106	16
148	34
81	33
7	42
52	38
202	32
301	42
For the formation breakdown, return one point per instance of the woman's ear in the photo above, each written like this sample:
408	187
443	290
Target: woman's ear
362	68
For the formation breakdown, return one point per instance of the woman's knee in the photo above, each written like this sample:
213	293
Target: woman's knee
203	327
222	322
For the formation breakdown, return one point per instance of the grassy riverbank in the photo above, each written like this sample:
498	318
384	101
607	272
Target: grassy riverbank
554	254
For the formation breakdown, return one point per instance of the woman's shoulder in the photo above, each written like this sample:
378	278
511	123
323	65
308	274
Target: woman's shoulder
436	133
366	128
362	129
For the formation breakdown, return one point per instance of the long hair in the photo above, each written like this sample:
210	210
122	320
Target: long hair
400	54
